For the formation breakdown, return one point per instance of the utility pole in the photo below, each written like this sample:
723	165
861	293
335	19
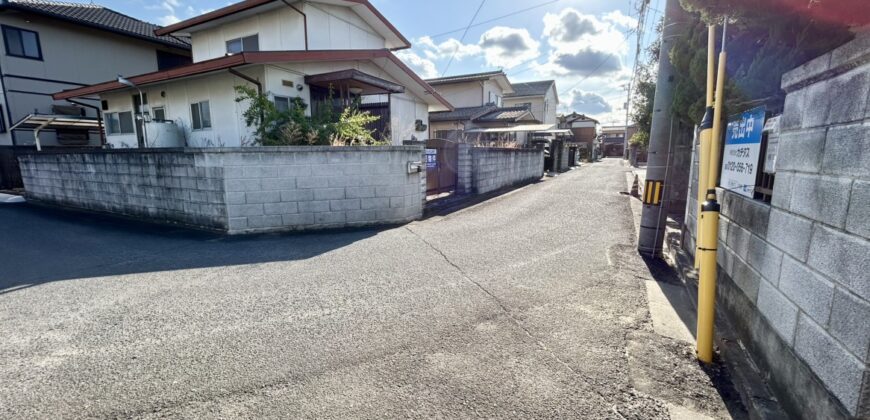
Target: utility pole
656	189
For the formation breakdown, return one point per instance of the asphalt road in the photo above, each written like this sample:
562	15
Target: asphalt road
531	304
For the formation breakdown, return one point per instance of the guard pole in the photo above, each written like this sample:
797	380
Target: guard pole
709	226
704	136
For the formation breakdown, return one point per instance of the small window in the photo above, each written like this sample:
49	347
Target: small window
104	104
248	43
159	113
22	43
200	115
282	103
119	123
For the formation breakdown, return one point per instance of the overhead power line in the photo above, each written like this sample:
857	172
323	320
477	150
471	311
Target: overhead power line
461	40
494	19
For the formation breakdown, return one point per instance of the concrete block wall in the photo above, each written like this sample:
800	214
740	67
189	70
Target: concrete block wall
495	168
151	184
305	188
236	190
794	273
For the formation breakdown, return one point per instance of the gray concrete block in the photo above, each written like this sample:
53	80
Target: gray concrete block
329	194
854	84
234	185
237	223
330	218
312	182
278	184
821	198
292	171
375	203
297	195
360	192
313	206
259	197
344	205
361	216
858	218
745	278
801	151
842	257
280	208
793	110
806	71
811	292
297	220
782	189
841	372
849	323
244	210
790	233
817	107
265	222
764	258
778	310
846	151
738	240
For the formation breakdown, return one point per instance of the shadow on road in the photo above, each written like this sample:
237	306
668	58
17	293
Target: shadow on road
40	245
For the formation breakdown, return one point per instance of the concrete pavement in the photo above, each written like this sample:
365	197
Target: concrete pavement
532	304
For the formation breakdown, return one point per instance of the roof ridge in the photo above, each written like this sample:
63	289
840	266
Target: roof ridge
91	5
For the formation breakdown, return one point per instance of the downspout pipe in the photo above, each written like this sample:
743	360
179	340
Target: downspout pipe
304	21
235	72
99	118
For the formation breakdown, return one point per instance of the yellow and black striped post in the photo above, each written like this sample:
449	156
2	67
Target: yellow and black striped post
653	191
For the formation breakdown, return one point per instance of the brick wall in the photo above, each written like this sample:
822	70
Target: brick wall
237	190
794	273
495	168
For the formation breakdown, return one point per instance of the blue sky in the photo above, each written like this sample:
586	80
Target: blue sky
585	45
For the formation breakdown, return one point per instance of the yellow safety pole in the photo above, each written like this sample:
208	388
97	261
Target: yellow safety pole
704	136
709	225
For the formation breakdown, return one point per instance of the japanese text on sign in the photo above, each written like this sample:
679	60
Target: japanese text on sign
742	149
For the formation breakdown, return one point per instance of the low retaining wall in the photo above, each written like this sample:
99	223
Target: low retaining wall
236	190
486	169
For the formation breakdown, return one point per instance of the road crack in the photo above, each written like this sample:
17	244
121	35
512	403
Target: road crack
500	304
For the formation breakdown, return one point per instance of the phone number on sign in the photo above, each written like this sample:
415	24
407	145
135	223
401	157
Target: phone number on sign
740	167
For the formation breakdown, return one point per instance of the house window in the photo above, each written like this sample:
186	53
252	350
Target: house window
21	43
282	103
200	115
159	113
119	123
248	43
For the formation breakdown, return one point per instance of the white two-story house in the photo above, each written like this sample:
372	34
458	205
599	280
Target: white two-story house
317	50
539	97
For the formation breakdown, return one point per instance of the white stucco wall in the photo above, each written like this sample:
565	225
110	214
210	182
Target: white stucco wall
467	94
543	107
282	29
228	125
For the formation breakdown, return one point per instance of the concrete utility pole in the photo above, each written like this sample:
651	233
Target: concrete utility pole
655	197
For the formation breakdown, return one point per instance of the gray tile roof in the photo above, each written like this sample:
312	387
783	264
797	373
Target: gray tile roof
538	88
95	16
506	114
464	77
460	114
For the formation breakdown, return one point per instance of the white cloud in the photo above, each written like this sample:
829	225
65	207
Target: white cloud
508	47
616	17
168	20
422	66
589	103
447	48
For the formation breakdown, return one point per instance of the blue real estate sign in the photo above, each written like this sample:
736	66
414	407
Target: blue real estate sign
742	149
431	158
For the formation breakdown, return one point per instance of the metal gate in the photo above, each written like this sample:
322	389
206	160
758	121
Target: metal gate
442	158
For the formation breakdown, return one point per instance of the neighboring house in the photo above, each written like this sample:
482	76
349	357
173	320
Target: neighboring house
51	46
539	97
583	128
613	139
322	51
479	102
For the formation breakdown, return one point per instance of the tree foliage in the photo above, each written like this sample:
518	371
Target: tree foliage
765	39
293	127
